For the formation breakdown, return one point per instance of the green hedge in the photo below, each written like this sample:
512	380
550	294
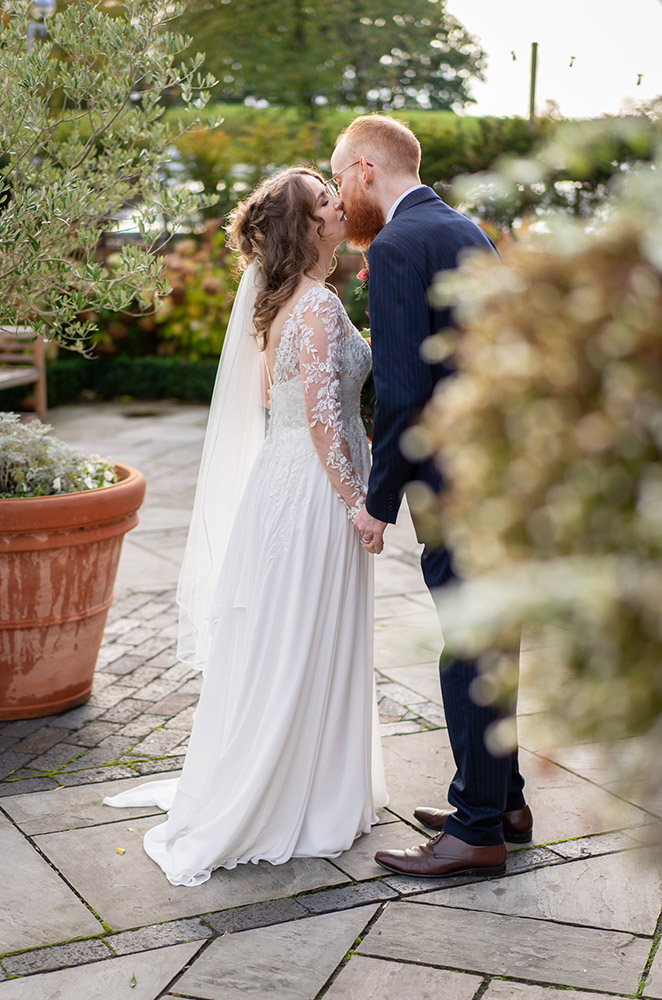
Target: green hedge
250	142
71	380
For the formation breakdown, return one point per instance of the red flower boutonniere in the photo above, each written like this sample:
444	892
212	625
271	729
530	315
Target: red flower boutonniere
363	275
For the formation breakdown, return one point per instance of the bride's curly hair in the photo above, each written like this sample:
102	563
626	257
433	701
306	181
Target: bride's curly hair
272	227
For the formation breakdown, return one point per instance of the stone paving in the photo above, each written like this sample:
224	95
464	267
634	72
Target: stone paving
85	914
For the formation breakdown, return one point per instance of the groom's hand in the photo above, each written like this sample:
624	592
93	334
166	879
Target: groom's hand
371	531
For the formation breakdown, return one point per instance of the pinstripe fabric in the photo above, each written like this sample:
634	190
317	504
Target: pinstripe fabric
425	237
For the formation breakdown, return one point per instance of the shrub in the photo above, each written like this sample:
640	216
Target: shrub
550	439
191	319
34	465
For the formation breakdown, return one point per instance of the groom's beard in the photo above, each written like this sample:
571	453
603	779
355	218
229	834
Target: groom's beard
364	220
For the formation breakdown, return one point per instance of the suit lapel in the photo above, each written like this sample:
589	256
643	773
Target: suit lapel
416	198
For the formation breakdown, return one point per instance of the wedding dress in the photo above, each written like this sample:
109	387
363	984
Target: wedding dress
284	759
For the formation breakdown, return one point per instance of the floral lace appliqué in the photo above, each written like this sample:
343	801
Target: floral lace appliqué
319	344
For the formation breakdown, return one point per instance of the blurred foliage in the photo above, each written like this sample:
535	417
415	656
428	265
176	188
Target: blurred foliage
345	53
81	139
549	437
230	160
191	319
572	171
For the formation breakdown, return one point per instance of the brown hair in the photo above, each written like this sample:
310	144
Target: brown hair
271	226
375	134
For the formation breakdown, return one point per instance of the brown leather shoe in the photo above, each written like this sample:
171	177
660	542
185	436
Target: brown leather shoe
444	855
517	824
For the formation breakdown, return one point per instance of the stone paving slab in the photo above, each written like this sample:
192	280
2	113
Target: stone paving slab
640	793
272	961
57	957
599	761
395	648
419	769
38	908
521	991
74	807
135	977
394	607
396	578
129	890
347	896
616	892
653	987
359	862
368	978
519	947
565	805
243	918
420	627
422	678
600	843
158	936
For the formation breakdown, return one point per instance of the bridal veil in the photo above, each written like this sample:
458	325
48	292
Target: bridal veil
235	432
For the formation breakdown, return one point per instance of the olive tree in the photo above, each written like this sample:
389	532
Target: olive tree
81	139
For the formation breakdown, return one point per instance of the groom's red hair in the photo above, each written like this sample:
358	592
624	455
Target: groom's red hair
385	139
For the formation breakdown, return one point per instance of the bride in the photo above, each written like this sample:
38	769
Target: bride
275	590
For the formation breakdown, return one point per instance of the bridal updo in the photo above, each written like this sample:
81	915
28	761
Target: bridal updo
272	227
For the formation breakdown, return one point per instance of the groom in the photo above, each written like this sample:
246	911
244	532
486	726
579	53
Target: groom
412	235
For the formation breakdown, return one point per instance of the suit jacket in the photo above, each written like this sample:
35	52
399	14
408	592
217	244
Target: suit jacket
424	237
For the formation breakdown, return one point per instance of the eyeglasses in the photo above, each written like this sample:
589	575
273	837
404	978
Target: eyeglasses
331	185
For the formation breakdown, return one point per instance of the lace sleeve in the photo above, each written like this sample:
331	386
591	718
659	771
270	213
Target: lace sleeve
322	332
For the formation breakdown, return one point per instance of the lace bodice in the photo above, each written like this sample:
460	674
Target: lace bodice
320	366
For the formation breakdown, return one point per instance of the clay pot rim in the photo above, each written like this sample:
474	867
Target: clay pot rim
20	514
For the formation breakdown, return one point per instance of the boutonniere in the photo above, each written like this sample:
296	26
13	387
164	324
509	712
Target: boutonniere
363	276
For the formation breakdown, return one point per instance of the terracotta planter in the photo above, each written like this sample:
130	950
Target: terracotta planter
58	561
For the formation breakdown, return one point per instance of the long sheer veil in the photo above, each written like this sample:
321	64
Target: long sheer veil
235	432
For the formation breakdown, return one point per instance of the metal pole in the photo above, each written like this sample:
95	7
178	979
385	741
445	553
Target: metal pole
532	91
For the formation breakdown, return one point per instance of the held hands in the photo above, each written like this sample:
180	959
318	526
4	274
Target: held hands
371	531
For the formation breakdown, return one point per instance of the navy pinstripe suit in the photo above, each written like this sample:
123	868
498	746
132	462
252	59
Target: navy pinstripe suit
424	237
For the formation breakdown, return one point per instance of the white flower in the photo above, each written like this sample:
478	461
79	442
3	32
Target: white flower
89	484
109	475
57	484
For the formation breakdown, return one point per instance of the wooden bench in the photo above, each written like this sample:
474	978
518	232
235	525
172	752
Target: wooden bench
22	362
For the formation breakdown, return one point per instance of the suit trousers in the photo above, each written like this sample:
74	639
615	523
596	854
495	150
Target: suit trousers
484	785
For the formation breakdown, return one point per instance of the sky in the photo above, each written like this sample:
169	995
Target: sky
612	41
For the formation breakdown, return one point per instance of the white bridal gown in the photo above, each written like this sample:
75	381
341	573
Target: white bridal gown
284	759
